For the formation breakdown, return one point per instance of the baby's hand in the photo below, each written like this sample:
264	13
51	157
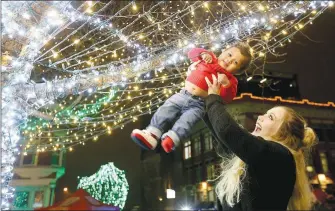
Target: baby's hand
223	79
193	66
206	57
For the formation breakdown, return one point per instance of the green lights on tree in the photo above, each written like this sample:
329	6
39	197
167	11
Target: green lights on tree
21	199
70	114
109	185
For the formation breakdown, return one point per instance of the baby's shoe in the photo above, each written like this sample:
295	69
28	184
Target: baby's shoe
145	139
167	144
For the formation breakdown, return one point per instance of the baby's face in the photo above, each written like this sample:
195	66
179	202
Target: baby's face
231	59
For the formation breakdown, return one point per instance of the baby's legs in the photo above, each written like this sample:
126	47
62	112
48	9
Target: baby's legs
192	112
167	113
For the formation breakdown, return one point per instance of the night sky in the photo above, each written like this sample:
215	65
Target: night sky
313	60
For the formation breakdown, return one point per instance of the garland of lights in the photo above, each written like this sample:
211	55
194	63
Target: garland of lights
71	113
22	98
109	185
162	78
21	199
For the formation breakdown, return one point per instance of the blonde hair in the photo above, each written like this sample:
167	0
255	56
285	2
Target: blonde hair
294	135
229	186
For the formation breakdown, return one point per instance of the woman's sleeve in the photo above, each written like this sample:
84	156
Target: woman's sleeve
246	146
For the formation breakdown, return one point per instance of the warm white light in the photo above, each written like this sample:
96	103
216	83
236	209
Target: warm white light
322	177
263	80
170	194
134	7
261	7
249	78
309	168
204	185
206	4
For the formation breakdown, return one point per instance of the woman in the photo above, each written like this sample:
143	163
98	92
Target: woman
267	171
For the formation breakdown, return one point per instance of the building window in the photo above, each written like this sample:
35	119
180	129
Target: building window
187	150
324	162
55	158
208	141
210	171
331	135
319	134
198	174
197	146
44	158
211	195
189	176
332	153
38	200
21	199
201	197
29	159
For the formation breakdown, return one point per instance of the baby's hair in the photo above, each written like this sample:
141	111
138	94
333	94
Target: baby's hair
246	52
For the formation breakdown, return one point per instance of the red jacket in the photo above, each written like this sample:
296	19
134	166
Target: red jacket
197	76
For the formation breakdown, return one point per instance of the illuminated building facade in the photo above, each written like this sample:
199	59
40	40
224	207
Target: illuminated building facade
35	177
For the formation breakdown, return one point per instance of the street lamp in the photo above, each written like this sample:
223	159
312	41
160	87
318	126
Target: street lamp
185	207
322	181
170	194
65	189
204	185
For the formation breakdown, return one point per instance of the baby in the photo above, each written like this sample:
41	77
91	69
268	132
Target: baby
186	108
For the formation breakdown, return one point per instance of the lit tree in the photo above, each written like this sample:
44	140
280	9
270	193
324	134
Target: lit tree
109	185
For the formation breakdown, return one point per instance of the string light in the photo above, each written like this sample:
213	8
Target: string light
134	6
280	99
263	80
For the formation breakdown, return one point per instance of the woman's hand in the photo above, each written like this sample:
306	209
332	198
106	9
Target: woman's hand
213	88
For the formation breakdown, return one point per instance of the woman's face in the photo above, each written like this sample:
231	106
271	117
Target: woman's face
267	125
